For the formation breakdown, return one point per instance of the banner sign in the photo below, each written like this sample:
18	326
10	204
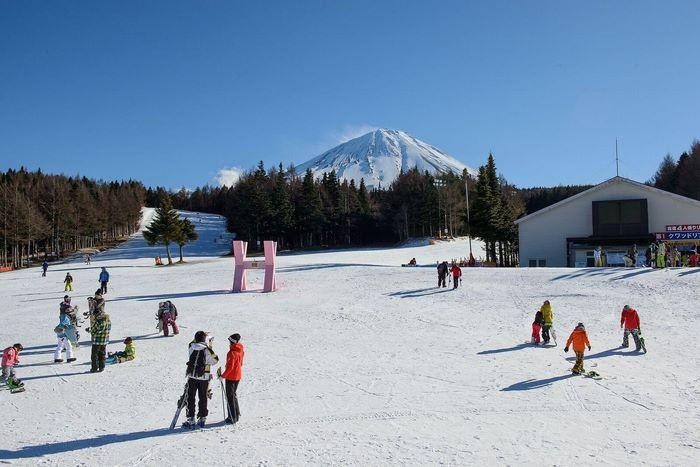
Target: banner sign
678	236
683	228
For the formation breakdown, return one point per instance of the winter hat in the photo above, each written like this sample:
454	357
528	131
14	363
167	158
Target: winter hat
18	346
234	338
128	340
98	292
65	297
626	307
200	336
580	325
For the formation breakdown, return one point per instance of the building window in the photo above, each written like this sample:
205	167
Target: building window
537	263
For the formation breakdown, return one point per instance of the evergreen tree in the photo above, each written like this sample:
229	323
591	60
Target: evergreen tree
186	233
165	226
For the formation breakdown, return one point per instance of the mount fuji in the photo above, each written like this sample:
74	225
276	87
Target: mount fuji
379	156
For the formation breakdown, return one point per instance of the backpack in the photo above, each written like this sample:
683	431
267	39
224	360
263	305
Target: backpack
197	364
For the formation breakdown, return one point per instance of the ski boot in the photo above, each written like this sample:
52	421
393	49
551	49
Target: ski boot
70	360
58	360
201	421
189	423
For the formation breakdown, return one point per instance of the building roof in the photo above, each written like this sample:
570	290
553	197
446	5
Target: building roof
605	184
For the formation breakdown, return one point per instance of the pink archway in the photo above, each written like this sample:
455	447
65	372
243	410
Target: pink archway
240	249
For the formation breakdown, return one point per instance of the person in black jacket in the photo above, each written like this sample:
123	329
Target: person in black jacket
442	271
202	357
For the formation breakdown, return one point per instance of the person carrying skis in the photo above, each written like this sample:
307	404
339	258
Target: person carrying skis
442	273
537	327
202	357
128	354
100	338
103	279
579	339
10	357
548	320
69	283
64	331
456	274
44	268
629	320
167	313
232	376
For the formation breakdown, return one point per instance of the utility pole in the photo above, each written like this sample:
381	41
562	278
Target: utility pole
617	161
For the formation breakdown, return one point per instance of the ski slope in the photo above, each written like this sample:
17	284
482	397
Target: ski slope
356	361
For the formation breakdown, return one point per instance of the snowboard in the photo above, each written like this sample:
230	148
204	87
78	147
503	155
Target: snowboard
181	403
14	389
589	374
641	341
553	333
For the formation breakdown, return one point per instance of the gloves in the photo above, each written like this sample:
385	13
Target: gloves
566	349
589	348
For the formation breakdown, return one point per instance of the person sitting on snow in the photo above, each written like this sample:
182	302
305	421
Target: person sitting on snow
128	354
412	262
629	319
579	339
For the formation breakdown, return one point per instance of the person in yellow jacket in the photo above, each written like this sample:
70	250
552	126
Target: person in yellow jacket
548	317
579	339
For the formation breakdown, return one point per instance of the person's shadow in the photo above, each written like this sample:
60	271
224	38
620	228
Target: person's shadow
530	384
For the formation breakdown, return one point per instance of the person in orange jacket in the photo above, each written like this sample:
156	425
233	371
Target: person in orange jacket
629	319
232	376
579	338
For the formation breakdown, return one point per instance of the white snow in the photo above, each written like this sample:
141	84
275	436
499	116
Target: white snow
379	157
358	361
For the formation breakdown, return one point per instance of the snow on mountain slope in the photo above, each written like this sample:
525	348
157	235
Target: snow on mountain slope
358	361
379	157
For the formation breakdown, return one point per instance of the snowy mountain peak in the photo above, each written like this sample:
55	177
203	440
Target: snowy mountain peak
379	156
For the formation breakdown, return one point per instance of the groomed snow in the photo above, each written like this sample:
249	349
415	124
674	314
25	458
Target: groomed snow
358	361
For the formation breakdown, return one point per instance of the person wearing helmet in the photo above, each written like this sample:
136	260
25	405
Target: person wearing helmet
629	320
579	339
202	357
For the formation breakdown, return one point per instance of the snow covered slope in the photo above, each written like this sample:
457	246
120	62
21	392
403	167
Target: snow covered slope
356	361
379	156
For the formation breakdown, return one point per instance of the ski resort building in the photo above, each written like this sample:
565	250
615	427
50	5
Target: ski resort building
615	214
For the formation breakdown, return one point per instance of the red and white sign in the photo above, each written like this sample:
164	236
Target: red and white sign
683	228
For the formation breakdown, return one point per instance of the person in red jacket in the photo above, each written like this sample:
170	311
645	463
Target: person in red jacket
456	274
629	320
232	375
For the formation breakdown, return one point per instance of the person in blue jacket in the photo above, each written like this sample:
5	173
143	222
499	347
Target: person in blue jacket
104	278
44	267
65	335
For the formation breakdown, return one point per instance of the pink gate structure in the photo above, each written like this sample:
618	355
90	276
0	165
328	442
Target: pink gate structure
240	249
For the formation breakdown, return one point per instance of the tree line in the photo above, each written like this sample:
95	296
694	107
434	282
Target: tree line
49	216
681	176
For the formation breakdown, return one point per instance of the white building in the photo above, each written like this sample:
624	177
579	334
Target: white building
616	214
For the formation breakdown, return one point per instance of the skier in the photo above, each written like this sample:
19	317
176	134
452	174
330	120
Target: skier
232	376
44	268
100	338
87	258
167	314
63	331
10	357
456	275
537	327
629	319
579	338
69	283
104	279
198	375
128	354
596	257
442	273
548	320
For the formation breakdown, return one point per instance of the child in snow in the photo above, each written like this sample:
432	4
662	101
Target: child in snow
199	373
63	331
232	376
537	327
128	354
69	283
10	357
456	274
167	314
631	323
548	320
579	339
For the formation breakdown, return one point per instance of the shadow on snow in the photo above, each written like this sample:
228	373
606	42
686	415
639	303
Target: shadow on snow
536	383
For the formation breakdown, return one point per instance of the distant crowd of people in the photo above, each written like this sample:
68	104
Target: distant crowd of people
657	255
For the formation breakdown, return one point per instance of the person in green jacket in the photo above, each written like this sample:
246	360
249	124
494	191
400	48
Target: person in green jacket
128	354
100	338
548	316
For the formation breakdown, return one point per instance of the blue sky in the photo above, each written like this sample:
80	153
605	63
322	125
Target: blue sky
171	92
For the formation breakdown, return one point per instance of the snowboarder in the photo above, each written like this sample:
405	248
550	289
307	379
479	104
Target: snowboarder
69	283
198	375
661	255
10	357
537	327
87	258
65	309
100	338
44	268
232	376
64	329
442	273
104	279
128	354
596	257
579	338
167	315
629	320
456	275
548	317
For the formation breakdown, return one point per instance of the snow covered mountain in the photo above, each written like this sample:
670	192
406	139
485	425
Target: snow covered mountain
379	156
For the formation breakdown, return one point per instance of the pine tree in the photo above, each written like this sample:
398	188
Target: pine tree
165	226
186	233
282	208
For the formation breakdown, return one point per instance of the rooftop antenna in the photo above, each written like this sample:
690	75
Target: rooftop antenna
617	160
